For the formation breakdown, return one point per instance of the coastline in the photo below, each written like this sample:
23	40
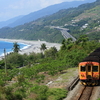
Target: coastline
33	46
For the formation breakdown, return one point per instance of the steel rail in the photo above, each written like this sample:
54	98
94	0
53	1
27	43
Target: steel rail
85	93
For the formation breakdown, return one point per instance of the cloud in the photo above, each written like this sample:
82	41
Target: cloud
45	3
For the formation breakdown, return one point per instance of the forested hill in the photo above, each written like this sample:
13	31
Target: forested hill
84	19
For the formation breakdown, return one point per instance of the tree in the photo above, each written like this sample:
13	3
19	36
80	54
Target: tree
67	44
51	52
2	64
16	47
82	40
15	60
43	46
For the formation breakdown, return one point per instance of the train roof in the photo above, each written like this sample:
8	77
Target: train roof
97	50
95	54
92	59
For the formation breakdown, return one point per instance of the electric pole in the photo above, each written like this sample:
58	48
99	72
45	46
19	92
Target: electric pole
5	61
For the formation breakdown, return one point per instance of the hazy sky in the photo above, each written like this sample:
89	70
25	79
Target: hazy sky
13	8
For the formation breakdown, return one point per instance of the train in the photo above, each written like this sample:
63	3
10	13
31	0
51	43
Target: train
89	69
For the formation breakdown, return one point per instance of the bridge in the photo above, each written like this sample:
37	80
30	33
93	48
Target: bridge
65	33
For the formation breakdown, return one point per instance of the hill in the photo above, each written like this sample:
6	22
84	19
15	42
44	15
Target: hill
41	13
6	23
79	20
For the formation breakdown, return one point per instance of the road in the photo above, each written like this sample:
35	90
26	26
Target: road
64	32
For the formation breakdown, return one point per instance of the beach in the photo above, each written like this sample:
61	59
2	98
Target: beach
32	46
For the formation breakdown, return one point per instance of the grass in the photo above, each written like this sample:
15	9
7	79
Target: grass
68	76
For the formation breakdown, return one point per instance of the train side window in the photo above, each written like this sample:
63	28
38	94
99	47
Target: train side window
83	68
95	69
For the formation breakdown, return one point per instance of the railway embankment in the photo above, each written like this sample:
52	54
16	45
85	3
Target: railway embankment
62	80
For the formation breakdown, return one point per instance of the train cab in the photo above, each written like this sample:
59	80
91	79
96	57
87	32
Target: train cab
89	73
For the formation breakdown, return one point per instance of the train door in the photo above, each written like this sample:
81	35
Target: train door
89	72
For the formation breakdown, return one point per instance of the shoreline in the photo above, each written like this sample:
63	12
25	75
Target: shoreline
32	46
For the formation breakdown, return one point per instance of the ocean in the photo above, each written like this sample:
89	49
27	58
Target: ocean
8	47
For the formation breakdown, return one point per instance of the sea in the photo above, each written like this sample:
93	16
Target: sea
8	47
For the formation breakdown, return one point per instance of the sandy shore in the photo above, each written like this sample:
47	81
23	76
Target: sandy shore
33	46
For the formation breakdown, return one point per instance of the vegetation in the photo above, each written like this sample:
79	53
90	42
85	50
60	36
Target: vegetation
16	47
32	32
26	73
43	47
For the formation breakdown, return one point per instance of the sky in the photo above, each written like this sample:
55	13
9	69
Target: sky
13	8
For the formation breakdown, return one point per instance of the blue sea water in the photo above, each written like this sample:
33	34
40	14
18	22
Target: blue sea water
8	47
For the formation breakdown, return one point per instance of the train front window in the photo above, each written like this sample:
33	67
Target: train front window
89	68
95	69
83	68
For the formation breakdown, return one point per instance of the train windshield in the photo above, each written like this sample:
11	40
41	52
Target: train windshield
95	69
83	68
89	68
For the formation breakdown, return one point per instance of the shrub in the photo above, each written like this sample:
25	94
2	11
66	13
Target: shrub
40	91
56	94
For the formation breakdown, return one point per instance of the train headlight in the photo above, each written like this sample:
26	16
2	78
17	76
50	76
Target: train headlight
82	75
96	76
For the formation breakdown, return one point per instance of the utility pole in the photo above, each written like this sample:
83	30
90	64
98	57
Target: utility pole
5	61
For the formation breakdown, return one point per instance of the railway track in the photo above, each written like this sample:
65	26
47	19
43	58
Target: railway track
85	93
81	92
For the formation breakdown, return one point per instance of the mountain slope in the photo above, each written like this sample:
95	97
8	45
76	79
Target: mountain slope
6	23
43	12
68	18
